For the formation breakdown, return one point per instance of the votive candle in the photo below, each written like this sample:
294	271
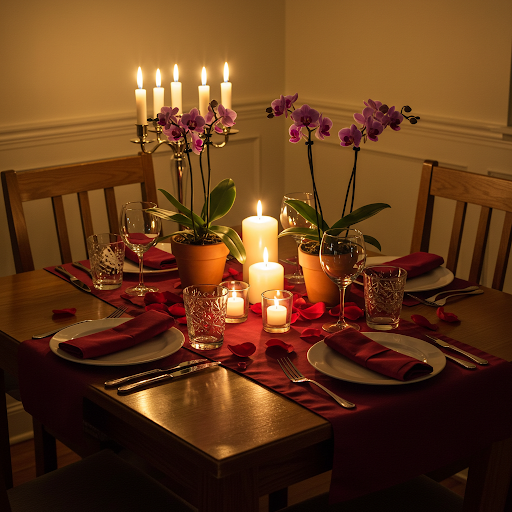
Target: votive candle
276	314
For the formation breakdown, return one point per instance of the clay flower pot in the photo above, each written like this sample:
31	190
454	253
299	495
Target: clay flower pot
318	286
199	264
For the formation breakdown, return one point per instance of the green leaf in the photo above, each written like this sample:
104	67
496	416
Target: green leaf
372	241
183	209
233	242
308	212
360	214
185	218
222	198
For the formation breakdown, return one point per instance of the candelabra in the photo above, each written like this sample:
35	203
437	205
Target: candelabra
178	147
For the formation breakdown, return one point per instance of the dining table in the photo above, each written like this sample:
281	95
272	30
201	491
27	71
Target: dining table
226	436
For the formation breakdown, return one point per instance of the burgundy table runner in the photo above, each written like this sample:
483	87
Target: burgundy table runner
395	433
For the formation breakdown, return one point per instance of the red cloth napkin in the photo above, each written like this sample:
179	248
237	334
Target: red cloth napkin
128	334
153	258
417	263
374	356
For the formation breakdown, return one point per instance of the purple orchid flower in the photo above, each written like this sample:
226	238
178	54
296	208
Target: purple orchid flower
349	136
283	104
167	116
173	132
193	121
306	116
394	119
373	129
295	133
197	143
324	125
227	116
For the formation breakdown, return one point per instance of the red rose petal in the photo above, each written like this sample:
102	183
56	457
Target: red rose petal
64	311
447	317
172	298
312	335
295	316
177	310
243	350
182	320
276	343
256	308
423	322
154	297
298	301
313	312
155	306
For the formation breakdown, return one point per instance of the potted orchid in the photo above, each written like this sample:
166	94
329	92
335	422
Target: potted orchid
202	233
374	119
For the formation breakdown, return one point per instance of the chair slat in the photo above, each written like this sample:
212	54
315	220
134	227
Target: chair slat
85	212
112	212
424	211
503	253
482	234
456	236
62	229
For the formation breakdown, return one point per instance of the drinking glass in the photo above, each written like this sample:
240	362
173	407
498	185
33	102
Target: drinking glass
140	230
343	258
290	218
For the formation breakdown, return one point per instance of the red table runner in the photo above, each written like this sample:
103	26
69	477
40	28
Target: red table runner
395	433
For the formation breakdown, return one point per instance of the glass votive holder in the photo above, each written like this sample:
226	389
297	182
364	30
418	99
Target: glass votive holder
276	310
238	301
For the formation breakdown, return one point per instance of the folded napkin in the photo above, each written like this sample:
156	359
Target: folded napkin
417	263
130	333
374	356
153	258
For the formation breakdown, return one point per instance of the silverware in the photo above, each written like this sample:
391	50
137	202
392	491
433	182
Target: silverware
74	280
115	314
80	266
122	380
465	364
164	377
442	302
294	375
468	289
444	344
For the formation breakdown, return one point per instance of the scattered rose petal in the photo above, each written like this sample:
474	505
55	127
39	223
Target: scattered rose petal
352	311
312	335
295	316
274	342
313	312
256	308
298	301
156	306
172	298
447	317
64	311
182	320
243	350
423	322
136	301
154	297
177	310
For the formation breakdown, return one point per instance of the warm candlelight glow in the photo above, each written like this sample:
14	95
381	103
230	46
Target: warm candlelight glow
259	210
226	72
139	78
265	256
176	73
158	78
204	94
203	76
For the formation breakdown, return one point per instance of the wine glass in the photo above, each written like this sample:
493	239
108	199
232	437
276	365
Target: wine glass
290	218
343	257
139	231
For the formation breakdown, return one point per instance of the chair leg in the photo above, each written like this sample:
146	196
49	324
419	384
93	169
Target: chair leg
5	448
278	500
45	449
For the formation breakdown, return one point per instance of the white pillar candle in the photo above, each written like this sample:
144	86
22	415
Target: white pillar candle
140	100
204	94
257	233
158	95
225	88
264	276
176	95
276	314
235	305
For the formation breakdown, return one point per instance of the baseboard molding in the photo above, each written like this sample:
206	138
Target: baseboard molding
20	423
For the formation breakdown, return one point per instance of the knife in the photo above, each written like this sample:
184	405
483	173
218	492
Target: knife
465	364
444	344
74	280
79	265
164	377
116	382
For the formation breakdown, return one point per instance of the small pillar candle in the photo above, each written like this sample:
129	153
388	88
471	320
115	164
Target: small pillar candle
264	276
235	305
204	94
276	310
140	100
158	95
176	94
276	314
225	88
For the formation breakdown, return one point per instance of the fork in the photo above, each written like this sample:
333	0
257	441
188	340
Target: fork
115	314
442	302
294	375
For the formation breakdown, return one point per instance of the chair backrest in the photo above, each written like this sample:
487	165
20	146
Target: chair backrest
465	188
55	182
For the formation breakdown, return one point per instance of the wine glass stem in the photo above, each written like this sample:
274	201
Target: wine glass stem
141	270
341	319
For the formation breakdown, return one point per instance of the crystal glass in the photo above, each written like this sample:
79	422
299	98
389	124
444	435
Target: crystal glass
343	258
290	218
140	230
106	254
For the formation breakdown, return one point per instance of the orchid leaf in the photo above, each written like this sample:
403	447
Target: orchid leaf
232	240
360	214
222	198
372	241
308	212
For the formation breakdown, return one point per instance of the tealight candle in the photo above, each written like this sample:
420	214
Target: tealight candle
204	94
158	95
263	276
176	96
140	100
225	88
238	301
276	310
276	314
257	233
236	305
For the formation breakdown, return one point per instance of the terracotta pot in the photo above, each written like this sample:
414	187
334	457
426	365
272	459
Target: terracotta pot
199	264
318	286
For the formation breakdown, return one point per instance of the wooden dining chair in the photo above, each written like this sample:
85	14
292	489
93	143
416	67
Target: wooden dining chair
79	179
102	482
465	188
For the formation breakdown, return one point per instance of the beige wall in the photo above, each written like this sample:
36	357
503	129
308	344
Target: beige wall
68	80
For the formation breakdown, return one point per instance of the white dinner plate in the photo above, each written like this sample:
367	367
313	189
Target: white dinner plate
130	267
160	346
332	363
432	280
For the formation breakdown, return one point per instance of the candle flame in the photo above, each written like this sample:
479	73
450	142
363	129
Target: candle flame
233	294
259	210
276	303
203	75
139	78
158	78
176	73
265	256
226	72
